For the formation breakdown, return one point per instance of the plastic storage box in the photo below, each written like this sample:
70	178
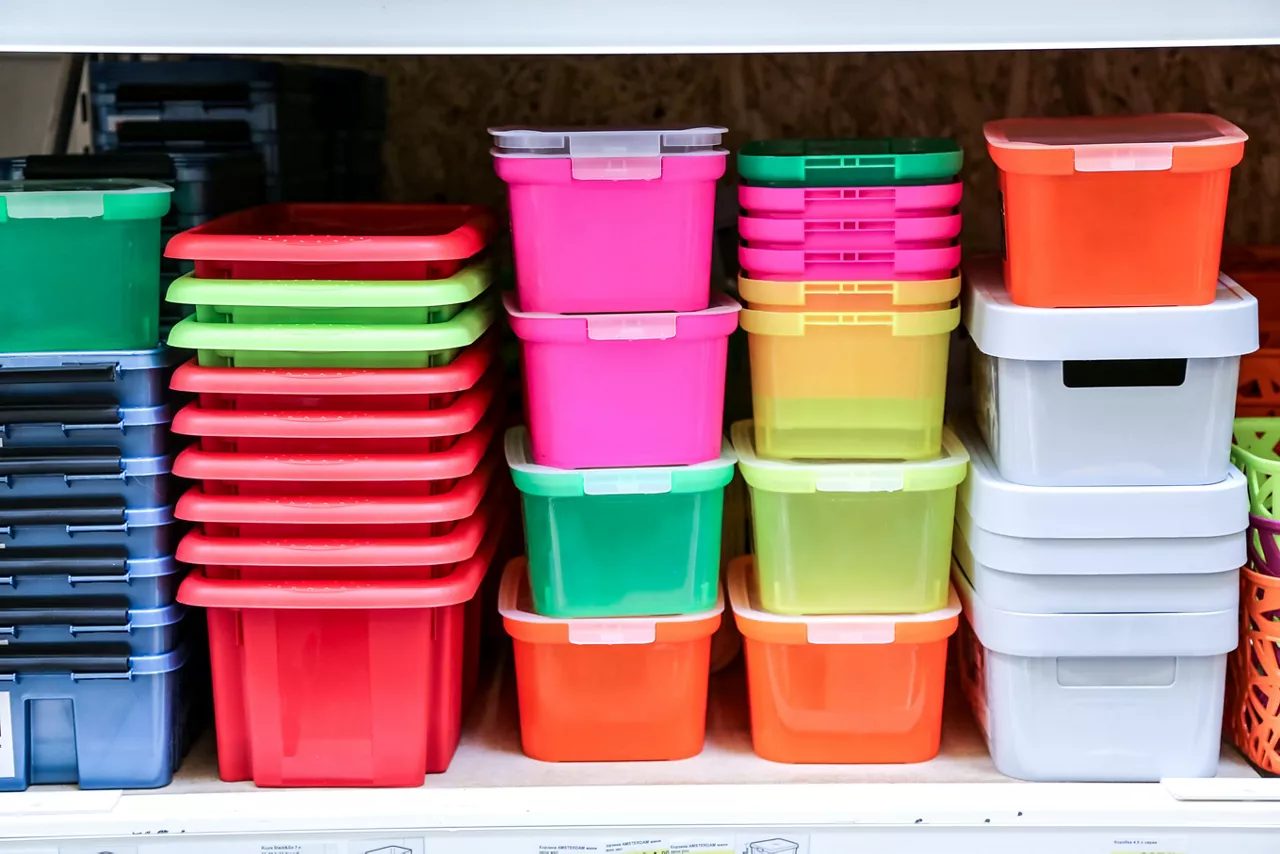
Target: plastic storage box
1115	210
345	242
138	378
1080	549
611	220
76	473
89	575
1097	697
609	690
851	538
846	234
918	261
802	295
89	622
105	295
100	525
845	385
625	389
388	709
621	542
96	717
849	162
846	689
1109	396
134	432
851	202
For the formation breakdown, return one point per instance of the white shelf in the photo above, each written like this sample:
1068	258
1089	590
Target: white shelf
493	800
624	26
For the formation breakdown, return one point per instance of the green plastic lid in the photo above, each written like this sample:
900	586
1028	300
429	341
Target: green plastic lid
533	479
849	162
465	328
820	476
460	288
107	198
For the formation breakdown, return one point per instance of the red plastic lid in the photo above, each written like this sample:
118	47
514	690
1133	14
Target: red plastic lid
457	587
459	417
461	374
458	461
339	233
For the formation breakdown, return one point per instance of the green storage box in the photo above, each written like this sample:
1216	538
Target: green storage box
624	542
849	162
334	345
80	264
314	301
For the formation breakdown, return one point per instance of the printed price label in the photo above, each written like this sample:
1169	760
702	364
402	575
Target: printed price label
1142	844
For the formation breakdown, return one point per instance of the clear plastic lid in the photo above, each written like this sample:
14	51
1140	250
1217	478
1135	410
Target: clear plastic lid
107	198
606	142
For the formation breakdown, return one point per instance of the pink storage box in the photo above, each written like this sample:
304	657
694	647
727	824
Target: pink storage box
850	202
618	390
611	221
922	261
810	233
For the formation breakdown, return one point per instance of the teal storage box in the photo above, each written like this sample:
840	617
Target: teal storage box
621	542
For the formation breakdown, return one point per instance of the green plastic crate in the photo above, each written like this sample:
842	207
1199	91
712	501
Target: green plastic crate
334	345
80	264
849	162
312	301
624	542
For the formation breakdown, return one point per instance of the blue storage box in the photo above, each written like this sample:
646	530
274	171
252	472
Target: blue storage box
97	717
52	524
133	378
134	432
75	473
141	582
90	622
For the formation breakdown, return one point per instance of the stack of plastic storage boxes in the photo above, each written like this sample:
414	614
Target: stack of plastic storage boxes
350	494
849	266
90	632
623	465
1101	529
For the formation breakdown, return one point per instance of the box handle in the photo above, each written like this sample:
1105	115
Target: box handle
73	659
87	463
77	517
46	612
60	374
80	569
103	417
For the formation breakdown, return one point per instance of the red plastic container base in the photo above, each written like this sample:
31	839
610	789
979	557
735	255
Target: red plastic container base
340	683
337	241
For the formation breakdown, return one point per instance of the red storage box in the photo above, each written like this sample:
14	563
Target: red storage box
303	431
340	683
337	241
373	389
1114	210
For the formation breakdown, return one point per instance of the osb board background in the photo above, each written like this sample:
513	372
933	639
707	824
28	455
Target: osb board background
439	107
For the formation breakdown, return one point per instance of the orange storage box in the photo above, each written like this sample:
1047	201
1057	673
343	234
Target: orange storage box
842	690
1114	210
608	690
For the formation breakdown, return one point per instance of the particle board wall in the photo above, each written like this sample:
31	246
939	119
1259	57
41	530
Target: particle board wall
440	106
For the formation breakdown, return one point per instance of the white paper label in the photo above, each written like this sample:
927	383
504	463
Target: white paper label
1141	843
7	736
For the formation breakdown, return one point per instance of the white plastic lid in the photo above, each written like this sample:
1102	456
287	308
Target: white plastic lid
606	142
1096	635
1097	512
1228	326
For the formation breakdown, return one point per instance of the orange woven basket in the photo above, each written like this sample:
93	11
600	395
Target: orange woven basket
1254	681
1257	268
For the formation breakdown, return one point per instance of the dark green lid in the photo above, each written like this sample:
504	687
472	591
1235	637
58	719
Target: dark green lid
850	162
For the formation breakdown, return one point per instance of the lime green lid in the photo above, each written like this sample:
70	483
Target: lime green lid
545	481
850	162
107	198
462	287
804	477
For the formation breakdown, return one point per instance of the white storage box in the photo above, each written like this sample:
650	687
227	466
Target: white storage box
1106	396
1099	549
1096	697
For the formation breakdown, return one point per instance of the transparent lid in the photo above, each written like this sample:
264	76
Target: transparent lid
108	198
605	142
1072	131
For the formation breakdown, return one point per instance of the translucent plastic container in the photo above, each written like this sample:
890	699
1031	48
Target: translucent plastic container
842	385
842	689
621	542
144	583
611	220
851	202
132	378
104	295
849	162
1080	549
57	528
820	233
851	538
1115	210
621	689
284	301
1096	697
625	389
1106	396
134	432
801	295
936	259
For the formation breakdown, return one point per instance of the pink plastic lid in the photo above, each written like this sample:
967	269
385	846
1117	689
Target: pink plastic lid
719	320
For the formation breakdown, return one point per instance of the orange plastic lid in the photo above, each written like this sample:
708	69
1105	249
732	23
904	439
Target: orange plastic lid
1178	142
758	624
516	606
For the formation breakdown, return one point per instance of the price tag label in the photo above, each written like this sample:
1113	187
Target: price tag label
1144	844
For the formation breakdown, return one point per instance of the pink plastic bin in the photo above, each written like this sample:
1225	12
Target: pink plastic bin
850	202
921	261
810	233
618	390
611	221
